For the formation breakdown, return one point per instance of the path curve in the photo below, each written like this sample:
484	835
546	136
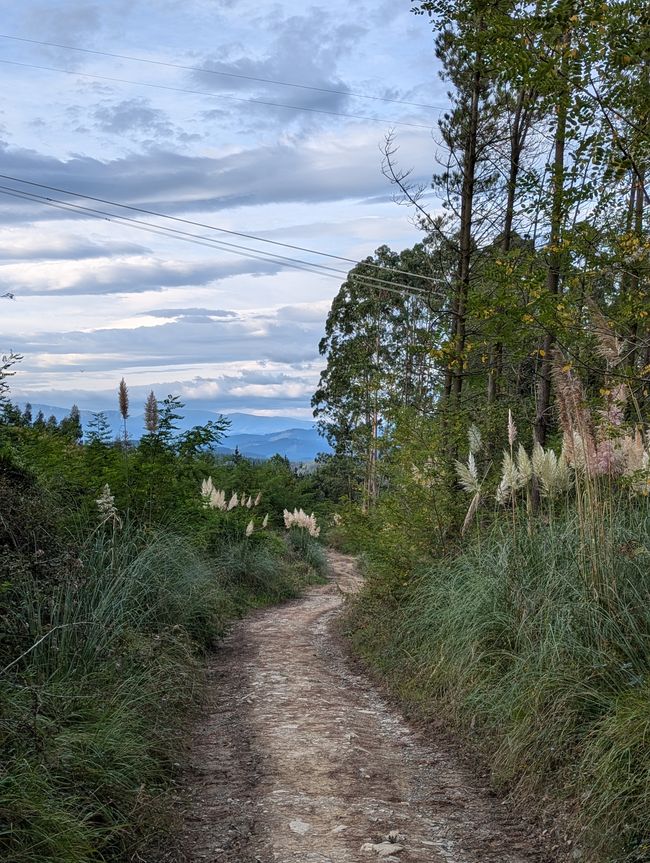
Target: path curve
298	759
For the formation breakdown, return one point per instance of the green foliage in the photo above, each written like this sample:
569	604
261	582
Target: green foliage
99	669
510	641
114	580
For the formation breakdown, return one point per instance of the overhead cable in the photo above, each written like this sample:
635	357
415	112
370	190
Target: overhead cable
241	251
168	64
221	230
212	94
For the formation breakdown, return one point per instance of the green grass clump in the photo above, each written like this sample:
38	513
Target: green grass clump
307	549
91	712
515	641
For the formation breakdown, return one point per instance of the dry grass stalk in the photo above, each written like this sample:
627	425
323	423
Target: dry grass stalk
512	430
475	439
575	417
151	415
123	399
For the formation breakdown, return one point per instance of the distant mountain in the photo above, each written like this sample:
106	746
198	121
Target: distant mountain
255	436
296	444
252	424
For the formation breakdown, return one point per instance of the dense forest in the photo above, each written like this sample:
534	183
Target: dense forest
487	400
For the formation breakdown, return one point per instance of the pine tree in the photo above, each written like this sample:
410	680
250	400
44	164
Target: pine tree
71	427
99	432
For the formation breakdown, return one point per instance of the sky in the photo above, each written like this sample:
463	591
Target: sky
97	300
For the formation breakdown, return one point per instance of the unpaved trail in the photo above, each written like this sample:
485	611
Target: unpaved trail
298	758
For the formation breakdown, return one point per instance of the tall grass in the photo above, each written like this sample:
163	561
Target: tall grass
537	642
90	711
102	669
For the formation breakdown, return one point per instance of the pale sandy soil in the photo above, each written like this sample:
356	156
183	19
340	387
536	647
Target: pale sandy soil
298	759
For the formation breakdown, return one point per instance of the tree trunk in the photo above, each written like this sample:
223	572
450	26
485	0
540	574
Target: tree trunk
635	280
465	238
543	414
520	126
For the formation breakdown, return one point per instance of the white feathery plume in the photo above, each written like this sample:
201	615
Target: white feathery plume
468	474
552	473
233	502
537	458
633	452
524	466
512	429
249	528
218	499
510	479
299	518
106	506
475	439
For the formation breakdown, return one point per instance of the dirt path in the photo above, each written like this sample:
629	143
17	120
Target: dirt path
298	758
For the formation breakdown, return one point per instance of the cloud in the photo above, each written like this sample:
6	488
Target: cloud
20	246
282	173
193	314
66	21
137	117
248	387
254	339
133	115
131	275
305	312
318	169
303	47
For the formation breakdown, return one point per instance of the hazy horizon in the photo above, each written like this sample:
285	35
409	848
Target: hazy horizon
96	301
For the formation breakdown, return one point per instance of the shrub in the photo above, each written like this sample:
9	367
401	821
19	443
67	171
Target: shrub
513	643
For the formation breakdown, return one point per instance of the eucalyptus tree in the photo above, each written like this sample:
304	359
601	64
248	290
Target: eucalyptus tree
380	335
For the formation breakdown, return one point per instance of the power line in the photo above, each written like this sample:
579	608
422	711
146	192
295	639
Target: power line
152	229
238	75
241	251
212	94
231	232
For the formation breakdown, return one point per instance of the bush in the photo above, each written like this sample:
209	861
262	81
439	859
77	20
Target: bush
102	628
515	642
308	549
91	709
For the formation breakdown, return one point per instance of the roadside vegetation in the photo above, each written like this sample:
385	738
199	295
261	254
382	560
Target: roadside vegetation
121	564
488	406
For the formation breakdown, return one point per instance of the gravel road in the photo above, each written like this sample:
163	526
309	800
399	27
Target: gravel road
297	757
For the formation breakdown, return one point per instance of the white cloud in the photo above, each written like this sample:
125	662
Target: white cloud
98	299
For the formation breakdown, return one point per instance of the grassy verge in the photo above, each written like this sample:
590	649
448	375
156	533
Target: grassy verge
100	658
546	665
